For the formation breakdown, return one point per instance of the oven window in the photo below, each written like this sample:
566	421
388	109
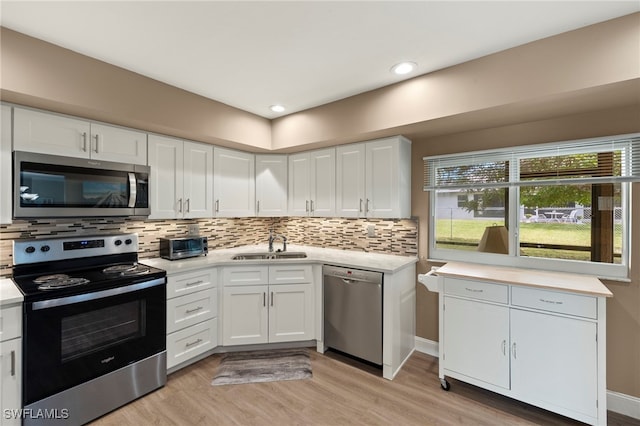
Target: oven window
91	331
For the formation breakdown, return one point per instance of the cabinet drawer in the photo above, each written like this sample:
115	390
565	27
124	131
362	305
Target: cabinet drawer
191	342
190	282
245	275
477	290
553	301
290	274
10	322
191	309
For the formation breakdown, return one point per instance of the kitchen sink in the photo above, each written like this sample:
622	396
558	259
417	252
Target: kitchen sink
270	255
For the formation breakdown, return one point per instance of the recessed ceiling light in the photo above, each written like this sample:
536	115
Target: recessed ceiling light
276	108
403	68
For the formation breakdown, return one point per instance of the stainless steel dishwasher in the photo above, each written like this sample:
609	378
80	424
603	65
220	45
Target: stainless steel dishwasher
353	312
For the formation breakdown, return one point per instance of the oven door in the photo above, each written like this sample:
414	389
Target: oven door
74	339
54	186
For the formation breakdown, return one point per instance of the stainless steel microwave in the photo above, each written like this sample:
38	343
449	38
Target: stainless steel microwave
54	186
180	248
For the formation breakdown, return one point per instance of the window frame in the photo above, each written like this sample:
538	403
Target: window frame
615	271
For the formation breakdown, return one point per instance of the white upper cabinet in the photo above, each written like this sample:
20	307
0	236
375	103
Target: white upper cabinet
47	133
374	179
181	178
5	166
312	183
234	183
271	185
110	143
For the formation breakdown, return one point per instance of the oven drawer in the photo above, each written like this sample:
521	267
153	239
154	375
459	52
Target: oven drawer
10	322
191	342
190	282
554	301
191	309
489	292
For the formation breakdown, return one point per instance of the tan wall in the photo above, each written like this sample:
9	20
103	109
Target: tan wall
623	310
43	75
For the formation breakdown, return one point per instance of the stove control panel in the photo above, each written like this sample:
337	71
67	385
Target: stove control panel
46	250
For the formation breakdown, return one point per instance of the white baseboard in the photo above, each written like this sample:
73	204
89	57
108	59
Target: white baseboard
623	404
427	346
620	403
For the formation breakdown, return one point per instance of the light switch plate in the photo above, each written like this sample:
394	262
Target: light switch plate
371	230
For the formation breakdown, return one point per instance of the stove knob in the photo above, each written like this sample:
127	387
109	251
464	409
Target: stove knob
127	241
118	242
45	249
30	249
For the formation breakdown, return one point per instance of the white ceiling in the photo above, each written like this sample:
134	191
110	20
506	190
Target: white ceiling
252	54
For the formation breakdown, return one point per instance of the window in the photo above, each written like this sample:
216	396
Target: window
562	206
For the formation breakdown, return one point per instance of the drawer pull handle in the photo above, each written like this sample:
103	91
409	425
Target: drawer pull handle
504	347
553	302
513	349
194	283
189	344
474	290
13	363
189	311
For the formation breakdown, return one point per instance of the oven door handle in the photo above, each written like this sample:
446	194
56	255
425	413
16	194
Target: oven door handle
133	190
79	298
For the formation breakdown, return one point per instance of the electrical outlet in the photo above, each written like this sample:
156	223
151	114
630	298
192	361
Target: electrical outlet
371	230
193	229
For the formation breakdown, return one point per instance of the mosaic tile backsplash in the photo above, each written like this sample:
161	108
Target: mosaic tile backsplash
392	236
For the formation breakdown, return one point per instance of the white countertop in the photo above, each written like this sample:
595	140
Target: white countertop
551	280
354	259
9	293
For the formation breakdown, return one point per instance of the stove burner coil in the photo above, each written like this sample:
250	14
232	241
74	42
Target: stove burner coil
52	282
127	270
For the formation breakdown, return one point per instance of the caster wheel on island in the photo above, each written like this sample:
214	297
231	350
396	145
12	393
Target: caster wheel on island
444	384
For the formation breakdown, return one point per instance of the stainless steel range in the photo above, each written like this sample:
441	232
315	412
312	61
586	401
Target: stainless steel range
94	326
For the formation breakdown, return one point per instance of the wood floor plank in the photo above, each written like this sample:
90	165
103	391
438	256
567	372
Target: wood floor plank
341	392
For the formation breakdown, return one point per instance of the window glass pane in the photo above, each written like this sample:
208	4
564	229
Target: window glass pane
472	219
473	174
572	166
560	222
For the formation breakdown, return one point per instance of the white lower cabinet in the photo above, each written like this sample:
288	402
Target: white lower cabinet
10	364
267	304
192	311
540	346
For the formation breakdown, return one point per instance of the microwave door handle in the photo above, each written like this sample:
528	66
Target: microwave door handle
133	190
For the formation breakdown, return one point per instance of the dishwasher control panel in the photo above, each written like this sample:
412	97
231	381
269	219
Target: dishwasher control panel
352	274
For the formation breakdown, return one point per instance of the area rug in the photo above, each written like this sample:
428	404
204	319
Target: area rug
263	366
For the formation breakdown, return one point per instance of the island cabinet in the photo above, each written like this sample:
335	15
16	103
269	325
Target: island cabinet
10	363
267	304
192	316
48	133
536	336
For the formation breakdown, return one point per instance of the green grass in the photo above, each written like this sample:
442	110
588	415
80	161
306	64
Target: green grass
470	231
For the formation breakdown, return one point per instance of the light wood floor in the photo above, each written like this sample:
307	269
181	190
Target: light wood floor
341	392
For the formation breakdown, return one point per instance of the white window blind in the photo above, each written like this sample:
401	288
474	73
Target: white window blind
615	159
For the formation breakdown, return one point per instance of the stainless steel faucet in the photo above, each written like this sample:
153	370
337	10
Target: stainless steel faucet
273	237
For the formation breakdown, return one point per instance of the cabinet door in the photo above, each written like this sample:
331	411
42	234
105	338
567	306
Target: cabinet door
198	180
234	183
299	184
476	340
554	362
350	195
290	312
50	134
323	182
245	315
10	379
382	179
166	180
109	143
5	166
271	185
